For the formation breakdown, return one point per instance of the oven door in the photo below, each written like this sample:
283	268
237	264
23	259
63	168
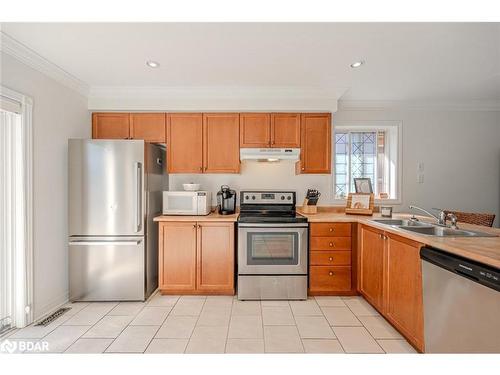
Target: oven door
272	249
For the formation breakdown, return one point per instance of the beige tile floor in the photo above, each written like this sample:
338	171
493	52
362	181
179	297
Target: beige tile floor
219	324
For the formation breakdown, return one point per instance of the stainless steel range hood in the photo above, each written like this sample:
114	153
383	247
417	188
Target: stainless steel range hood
270	154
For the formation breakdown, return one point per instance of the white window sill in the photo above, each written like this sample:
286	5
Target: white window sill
378	202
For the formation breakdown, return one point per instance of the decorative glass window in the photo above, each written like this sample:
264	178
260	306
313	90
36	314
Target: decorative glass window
366	152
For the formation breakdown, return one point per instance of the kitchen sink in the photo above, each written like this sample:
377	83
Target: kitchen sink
402	223
439	231
430	229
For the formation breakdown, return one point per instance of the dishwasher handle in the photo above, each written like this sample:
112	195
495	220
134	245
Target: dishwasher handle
483	274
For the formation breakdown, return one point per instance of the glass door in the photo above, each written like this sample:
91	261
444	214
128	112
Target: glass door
11	202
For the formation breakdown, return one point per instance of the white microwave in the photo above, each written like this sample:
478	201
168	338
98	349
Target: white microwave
187	202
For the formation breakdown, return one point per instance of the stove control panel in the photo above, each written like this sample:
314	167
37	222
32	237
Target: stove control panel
267	197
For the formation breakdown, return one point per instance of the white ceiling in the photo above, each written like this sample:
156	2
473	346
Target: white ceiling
404	62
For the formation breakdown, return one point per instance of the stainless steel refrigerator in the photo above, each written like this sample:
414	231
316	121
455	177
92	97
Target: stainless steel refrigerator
115	191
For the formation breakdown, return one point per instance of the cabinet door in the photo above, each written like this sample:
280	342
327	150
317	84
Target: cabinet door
110	125
372	266
184	143
285	130
404	304
148	126
221	143
255	130
215	268
177	257
315	141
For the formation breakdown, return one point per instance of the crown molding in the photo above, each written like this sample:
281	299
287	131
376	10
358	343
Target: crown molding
29	57
492	105
249	98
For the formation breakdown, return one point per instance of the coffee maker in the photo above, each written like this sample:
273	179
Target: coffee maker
226	200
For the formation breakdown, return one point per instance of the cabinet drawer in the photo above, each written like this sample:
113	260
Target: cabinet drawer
330	258
331	229
327	279
330	243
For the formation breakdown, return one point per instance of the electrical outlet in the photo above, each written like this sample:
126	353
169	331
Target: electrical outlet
421	166
420	178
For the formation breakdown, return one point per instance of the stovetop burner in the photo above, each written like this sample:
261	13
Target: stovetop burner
269	207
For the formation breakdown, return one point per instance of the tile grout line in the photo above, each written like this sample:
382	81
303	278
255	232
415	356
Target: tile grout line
297	328
159	327
229	325
363	325
331	328
195	324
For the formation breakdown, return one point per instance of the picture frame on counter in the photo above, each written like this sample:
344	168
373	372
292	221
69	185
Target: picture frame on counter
360	204
363	185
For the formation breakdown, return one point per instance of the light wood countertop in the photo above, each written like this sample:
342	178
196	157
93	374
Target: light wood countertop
212	216
481	249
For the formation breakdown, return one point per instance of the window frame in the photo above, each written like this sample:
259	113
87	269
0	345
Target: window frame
390	127
23	282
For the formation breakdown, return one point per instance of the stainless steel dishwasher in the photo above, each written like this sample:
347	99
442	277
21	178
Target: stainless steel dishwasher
461	304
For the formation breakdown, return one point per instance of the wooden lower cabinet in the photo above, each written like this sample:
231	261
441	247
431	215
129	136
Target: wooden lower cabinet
196	258
177	257
390	279
330	279
404	302
330	259
371	266
215	258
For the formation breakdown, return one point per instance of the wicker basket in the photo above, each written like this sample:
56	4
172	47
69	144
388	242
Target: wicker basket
473	218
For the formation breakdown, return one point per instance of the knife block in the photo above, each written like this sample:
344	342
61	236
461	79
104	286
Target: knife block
309	209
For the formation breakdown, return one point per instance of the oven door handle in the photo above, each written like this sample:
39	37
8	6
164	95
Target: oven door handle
273	225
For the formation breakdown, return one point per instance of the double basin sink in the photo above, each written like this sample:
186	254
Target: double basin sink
429	229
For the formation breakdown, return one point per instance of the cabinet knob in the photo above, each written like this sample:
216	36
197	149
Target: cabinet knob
331	244
201	169
194	225
330	259
330	273
331	229
303	168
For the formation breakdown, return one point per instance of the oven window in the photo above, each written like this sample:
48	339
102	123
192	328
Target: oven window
272	248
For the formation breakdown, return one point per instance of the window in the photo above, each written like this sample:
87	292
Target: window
369	151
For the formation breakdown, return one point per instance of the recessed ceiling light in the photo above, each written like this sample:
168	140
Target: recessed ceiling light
152	64
357	64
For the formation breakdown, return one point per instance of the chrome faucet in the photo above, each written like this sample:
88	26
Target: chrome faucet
441	218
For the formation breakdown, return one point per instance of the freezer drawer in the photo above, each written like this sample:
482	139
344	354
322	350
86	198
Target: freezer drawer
106	269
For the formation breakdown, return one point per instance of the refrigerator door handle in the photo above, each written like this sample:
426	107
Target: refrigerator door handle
100	242
138	167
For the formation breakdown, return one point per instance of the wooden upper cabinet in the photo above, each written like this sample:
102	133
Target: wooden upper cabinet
371	267
177	256
148	126
255	130
315	140
404	303
185	142
221	142
215	257
110	125
285	130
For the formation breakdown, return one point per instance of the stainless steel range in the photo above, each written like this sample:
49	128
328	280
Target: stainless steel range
272	247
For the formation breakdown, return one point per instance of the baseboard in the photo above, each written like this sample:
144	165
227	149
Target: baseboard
51	307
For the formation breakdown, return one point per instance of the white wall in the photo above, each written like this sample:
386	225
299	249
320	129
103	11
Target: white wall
59	113
460	151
